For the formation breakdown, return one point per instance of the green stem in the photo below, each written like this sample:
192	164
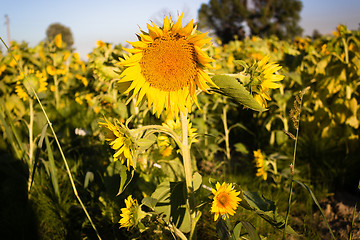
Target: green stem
292	170
346	50
206	131
226	132
185	152
56	84
31	140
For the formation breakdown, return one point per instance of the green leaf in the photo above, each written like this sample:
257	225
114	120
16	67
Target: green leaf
171	201
265	208
149	202
231	87
222	230
237	231
37	154
52	167
197	181
251	230
145	143
239	147
123	178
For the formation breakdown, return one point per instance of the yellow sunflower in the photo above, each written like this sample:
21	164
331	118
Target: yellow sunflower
20	91
263	76
225	200
167	65
37	80
121	141
261	164
128	214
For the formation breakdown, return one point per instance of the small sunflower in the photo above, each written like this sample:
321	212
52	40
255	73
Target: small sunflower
20	91
36	79
263	77
121	141
167	65
261	164
128	214
58	40
225	200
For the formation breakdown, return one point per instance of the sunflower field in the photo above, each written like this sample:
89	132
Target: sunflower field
177	136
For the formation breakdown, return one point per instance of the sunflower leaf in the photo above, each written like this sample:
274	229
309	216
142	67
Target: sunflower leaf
231	87
266	209
251	230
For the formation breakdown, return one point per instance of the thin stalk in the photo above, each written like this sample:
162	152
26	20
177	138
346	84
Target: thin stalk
226	132
292	166
58	144
291	182
31	140
346	50
56	84
206	131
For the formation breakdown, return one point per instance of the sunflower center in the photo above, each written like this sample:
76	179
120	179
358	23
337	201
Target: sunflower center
169	63
223	199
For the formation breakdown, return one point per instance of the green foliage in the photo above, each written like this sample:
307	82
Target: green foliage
264	18
57	28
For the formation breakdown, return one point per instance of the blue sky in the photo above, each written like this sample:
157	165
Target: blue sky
118	21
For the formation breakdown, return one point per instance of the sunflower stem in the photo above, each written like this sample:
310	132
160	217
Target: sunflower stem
31	139
56	84
226	132
185	151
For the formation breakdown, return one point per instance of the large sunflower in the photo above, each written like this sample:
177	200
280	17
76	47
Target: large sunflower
166	65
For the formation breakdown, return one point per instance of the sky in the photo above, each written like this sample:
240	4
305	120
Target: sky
118	21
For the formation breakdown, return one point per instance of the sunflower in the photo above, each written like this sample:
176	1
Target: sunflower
263	77
20	91
167	65
128	214
120	140
261	164
34	79
225	200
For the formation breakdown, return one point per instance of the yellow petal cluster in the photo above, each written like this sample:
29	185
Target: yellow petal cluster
121	141
128	218
264	77
260	164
